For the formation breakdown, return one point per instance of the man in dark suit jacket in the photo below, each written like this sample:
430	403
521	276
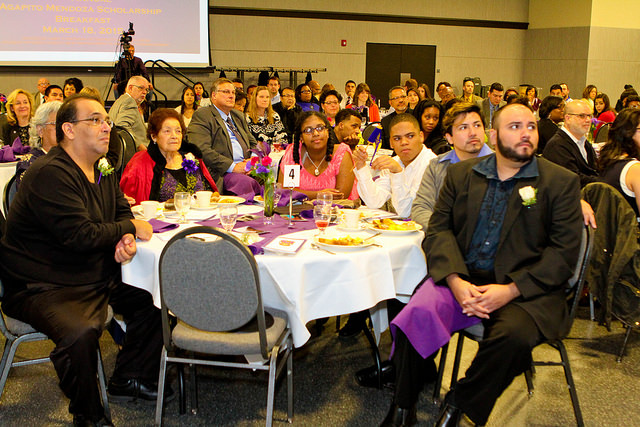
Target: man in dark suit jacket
398	101
492	103
504	237
221	133
569	146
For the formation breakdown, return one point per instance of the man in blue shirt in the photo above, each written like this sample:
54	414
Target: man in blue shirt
504	238
221	133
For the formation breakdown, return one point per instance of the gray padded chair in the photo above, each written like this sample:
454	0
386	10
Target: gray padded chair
16	332
573	293
212	287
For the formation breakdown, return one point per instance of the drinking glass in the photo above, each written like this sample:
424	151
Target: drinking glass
322	215
228	215
182	202
324	198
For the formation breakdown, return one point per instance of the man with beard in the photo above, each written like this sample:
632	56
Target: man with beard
502	242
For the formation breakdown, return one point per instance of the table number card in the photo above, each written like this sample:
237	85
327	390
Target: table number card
291	176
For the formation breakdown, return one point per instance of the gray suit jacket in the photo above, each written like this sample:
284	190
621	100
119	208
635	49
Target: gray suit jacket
124	112
486	112
209	133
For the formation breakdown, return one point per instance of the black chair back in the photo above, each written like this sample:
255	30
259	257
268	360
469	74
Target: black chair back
10	190
128	148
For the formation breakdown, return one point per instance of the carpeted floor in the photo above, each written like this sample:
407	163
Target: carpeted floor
326	394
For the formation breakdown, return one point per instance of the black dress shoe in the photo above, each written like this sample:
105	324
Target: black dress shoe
450	416
368	377
399	417
80	420
133	389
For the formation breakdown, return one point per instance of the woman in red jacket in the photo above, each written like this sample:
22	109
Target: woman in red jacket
168	165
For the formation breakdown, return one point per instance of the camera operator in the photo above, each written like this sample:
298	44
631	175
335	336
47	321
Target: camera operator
128	65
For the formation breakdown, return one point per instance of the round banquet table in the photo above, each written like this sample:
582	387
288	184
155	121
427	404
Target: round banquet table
7	170
311	284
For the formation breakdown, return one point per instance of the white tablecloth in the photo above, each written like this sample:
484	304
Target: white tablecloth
7	170
314	284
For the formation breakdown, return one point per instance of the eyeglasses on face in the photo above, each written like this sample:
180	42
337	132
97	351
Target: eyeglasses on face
581	116
398	97
94	121
226	91
142	88
309	130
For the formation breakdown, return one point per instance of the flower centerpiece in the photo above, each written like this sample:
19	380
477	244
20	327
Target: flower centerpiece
3	103
259	167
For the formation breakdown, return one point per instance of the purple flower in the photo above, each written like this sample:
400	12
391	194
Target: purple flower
189	164
262	169
248	167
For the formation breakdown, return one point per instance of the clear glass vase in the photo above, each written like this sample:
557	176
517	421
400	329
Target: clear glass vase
269	199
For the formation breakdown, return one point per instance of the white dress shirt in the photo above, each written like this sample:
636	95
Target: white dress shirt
401	187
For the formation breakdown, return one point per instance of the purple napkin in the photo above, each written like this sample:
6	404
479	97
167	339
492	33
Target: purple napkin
161	226
18	148
284	196
6	154
307	214
241	185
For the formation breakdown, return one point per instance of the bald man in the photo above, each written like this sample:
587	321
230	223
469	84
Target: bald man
124	112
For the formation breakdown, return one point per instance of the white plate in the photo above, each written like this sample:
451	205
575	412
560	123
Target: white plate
259	200
342	248
350	230
235	201
396	232
137	210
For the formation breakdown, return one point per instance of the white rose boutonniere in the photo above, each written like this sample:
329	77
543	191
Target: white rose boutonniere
104	167
528	195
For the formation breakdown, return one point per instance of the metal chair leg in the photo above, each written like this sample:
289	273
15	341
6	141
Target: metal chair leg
7	360
572	387
438	385
193	379
290	380
592	312
376	354
103	387
456	361
161	380
528	377
182	395
271	389
624	344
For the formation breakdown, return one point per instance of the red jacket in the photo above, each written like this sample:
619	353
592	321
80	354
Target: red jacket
139	173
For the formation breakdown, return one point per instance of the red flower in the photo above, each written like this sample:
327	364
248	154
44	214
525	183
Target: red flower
266	161
254	160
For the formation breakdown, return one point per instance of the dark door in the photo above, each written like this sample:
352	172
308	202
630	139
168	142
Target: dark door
387	62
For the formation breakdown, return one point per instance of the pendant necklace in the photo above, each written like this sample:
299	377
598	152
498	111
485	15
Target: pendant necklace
316	171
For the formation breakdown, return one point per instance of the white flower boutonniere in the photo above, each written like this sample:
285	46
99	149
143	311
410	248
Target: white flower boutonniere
528	195
104	167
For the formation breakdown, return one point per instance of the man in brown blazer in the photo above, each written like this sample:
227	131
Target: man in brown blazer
221	133
504	237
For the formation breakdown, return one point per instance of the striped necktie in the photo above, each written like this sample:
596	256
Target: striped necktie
235	131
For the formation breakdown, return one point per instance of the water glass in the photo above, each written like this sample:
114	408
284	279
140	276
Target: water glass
228	215
324	198
322	216
182	202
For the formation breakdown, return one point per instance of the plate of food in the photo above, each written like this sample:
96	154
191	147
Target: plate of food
394	226
259	200
342	243
227	201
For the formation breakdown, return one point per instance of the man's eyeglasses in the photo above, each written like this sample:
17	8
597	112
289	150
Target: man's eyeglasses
309	130
142	88
226	91
398	97
49	123
94	121
581	116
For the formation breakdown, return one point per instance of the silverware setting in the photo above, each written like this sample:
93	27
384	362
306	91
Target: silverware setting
314	246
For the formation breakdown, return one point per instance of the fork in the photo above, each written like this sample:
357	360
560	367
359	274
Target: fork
314	246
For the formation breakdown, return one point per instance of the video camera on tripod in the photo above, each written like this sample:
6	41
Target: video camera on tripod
125	42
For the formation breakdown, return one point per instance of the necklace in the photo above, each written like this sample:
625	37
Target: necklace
316	171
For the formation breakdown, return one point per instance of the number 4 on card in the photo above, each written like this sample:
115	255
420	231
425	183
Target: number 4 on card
291	176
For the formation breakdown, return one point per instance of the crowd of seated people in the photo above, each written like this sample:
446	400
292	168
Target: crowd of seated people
427	136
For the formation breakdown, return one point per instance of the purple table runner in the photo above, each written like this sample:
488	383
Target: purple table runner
279	227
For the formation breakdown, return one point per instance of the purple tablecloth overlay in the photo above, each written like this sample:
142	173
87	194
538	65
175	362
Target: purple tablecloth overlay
430	317
246	187
161	226
279	227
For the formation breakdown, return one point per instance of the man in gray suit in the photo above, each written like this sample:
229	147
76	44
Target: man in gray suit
124	112
492	103
221	133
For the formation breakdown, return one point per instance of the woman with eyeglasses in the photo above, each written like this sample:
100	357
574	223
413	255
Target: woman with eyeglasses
364	104
168	165
188	106
325	164
42	133
264	123
330	101
303	98
15	124
619	163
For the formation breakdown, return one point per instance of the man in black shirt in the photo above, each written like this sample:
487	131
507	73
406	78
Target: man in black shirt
68	230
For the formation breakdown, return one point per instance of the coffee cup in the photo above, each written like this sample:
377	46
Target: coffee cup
149	208
351	218
203	198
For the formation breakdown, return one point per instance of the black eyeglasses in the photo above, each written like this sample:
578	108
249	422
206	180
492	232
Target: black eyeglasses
94	121
309	130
